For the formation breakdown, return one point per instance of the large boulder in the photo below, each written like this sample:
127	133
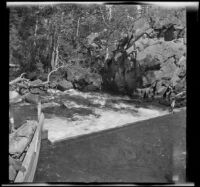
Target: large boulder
82	77
63	85
32	98
14	97
19	140
90	88
157	60
36	82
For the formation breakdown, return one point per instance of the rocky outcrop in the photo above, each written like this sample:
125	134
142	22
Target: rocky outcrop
64	85
158	61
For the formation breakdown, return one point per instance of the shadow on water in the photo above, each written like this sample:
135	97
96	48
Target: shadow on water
76	98
63	111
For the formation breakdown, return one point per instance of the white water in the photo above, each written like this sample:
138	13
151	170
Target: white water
117	114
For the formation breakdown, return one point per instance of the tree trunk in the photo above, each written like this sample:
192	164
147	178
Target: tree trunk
56	57
77	31
53	50
110	12
52	59
35	34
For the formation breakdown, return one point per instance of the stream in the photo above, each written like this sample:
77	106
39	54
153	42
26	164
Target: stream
85	113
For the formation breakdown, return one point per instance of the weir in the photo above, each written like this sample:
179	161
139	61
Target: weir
151	150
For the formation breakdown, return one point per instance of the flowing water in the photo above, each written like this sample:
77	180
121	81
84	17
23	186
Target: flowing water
84	113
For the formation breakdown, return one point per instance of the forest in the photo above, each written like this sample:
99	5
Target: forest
126	49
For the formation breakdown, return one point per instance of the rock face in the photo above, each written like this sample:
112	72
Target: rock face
158	61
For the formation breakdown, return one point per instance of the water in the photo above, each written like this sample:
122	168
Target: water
84	113
141	154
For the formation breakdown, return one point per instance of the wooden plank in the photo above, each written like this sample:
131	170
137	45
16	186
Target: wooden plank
31	158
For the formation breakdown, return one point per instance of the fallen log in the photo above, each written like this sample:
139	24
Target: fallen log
28	85
48	77
18	79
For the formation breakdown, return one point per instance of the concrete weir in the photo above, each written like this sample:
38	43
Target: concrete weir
152	150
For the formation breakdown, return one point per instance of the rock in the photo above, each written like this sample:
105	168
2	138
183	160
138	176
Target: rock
90	88
19	140
82	77
12	173
37	91
169	34
53	84
36	82
43	76
53	91
18	146
50	104
14	166
31	76
157	60
16	163
32	98
14	97
64	85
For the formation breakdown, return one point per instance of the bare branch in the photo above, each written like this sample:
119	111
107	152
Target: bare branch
48	77
18	79
180	93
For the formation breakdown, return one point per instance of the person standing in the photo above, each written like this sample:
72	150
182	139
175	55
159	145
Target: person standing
173	99
173	102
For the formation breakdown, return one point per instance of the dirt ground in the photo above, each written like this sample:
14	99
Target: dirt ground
148	151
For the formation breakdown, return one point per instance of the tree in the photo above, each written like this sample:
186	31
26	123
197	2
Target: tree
44	37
